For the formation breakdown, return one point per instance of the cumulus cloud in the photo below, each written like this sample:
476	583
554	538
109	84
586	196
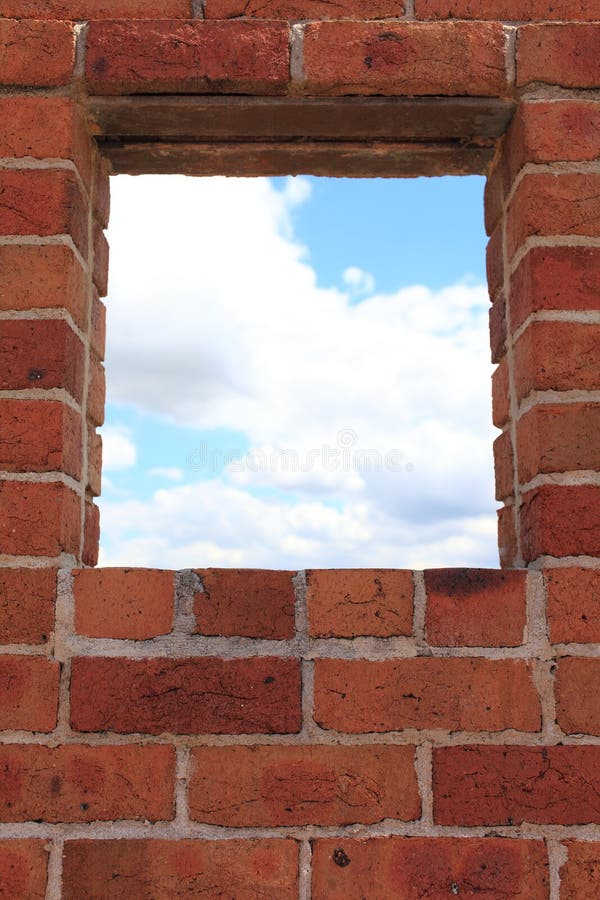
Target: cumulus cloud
169	473
118	449
368	422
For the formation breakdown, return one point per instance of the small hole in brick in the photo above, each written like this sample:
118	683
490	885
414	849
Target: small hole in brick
454	888
36	374
269	679
85	806
340	858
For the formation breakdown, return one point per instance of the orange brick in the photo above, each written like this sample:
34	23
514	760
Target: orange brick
580	874
577	698
98	329
507	536
101	198
40	54
39	519
475	607
43	277
295	10
96	9
509	10
347	603
558	438
495	263
573	598
560	521
318	785
488	695
503	466
23	869
557	356
491	785
28	693
498	327
101	258
406	868
248	602
41	354
186	696
40	436
26	605
244	869
493	199
559	54
134	604
162	56
501	394
75	783
91	535
97	391
406	58
94	470
43	202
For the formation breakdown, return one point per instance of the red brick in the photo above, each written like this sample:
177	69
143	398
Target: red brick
28	693
97	392
552	278
96	9
295	10
406	58
348	603
559	54
501	394
94	469
475	607
248	602
38	519
186	696
507	537
23	869
322	785
163	56
494	261
75	783
91	535
26	605
545	204
46	277
577	697
43	202
560	521
503	466
573	601
580	874
407	868
498	328
558	438
488	785
493	199
452	694
41	354
98	327
101	256
509	10
40	436
246	870
40	54
134	604
557	356
101	198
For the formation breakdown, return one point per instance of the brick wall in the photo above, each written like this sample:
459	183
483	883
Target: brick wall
273	734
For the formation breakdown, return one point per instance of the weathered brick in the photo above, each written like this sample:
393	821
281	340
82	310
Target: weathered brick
295	10
75	783
186	696
39	54
547	204
96	9
318	785
162	56
501	394
558	437
98	327
26	605
101	258
557	356
406	58
580	874
494	261
23	869
101	192
38	519
246	870
503	466
407	868
573	601
94	460
559	54
347	603
40	436
247	602
507	536
452	694
28	693
552	278
498	327
43	202
43	277
91	535
96	392
475	607
39	354
134	604
509	10
577	697
560	521
491	785
493	199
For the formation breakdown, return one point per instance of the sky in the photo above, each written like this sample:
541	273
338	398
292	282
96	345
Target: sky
298	374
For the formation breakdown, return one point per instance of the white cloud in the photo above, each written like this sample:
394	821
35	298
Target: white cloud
118	450
169	473
358	281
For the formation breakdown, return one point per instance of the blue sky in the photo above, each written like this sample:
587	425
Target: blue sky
298	374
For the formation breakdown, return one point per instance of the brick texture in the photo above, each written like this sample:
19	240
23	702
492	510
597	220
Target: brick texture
37	54
577	701
510	10
39	519
23	868
133	604
573	605
27	599
580	874
248	602
40	436
347	603
28	693
561	521
559	54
